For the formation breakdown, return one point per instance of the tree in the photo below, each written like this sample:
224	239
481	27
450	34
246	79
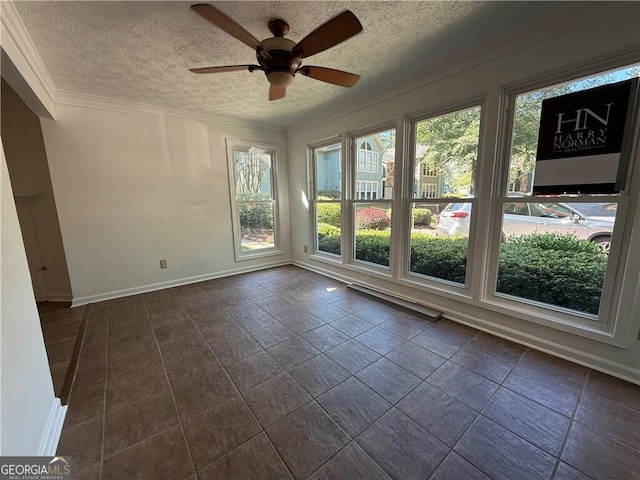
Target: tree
250	169
451	143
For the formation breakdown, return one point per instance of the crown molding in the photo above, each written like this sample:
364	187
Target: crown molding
18	46
109	104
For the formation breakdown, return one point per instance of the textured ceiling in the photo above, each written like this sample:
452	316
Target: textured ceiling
141	51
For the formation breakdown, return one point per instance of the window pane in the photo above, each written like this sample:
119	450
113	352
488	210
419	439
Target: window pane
256	223
374	162
556	253
328	216
373	232
446	153
440	252
526	122
252	174
328	165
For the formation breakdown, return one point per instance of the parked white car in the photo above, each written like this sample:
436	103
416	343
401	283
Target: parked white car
589	221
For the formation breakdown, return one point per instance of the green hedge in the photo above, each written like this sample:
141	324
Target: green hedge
422	216
439	257
257	215
328	238
328	213
559	270
373	246
556	269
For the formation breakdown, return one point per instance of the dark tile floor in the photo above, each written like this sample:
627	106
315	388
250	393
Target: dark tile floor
284	373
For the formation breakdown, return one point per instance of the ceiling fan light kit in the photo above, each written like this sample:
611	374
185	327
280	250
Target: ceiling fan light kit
280	58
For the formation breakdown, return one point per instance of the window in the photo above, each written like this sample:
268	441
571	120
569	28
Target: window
366	190
428	171
554	260
371	213
368	160
562	243
447	144
429	190
326	198
252	180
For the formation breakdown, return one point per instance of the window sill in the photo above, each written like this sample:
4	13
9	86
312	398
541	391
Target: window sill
267	252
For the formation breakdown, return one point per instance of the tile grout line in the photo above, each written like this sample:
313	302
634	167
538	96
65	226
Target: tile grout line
244	401
565	440
106	380
173	398
313	399
479	414
238	394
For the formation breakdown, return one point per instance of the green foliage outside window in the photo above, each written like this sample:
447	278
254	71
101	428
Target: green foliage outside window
256	211
328	213
422	216
559	270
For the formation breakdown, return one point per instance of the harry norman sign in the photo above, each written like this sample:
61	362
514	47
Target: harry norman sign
584	140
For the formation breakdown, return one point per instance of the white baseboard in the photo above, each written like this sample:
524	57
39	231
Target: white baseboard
77	302
53	429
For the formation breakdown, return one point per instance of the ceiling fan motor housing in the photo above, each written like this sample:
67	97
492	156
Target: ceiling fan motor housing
278	61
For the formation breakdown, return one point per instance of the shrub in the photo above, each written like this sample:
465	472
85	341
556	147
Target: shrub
372	218
328	238
422	216
556	241
256	215
373	246
328	213
559	270
439	257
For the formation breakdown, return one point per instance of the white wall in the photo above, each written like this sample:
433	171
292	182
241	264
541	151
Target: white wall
29	174
134	188
30	415
614	35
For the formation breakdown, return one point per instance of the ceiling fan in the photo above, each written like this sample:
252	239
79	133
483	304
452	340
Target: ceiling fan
280	58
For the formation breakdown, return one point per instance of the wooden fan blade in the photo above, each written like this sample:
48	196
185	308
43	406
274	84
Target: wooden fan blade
330	75
225	23
226	68
329	34
276	93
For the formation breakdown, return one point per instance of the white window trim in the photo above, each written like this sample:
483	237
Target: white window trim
238	145
408	200
312	198
557	317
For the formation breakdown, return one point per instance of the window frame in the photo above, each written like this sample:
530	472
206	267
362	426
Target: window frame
536	312
232	146
351	199
408	200
312	197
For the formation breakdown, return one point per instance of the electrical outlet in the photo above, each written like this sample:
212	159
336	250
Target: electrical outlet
305	249
163	264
